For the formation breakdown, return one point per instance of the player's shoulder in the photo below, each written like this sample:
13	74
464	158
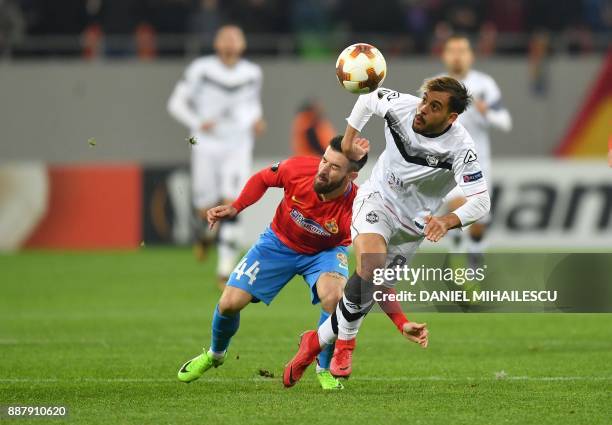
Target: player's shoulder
481	77
459	138
394	97
250	67
200	66
202	62
298	165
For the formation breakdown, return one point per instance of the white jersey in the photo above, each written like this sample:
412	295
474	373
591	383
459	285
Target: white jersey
415	172
483	87
227	96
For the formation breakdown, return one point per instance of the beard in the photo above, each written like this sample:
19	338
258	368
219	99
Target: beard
323	188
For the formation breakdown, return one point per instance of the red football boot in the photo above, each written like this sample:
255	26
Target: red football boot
342	362
308	350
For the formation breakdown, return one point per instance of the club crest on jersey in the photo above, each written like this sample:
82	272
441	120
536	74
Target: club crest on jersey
332	226
470	156
308	224
274	167
341	256
432	161
467	178
372	217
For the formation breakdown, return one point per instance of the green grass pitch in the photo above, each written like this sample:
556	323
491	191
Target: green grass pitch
105	333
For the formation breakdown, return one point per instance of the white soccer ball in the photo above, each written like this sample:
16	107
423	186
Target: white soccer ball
361	68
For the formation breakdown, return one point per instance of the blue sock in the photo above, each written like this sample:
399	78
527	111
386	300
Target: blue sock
325	356
223	329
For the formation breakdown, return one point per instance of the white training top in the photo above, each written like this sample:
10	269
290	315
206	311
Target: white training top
415	172
483	87
227	96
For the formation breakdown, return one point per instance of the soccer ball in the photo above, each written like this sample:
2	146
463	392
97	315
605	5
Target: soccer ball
361	68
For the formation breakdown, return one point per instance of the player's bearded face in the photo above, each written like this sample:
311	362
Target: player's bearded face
325	182
331	174
432	115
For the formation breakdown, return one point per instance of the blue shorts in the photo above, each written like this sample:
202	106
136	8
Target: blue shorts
270	264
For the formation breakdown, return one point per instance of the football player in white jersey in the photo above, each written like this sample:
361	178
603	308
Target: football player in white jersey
219	101
427	153
487	112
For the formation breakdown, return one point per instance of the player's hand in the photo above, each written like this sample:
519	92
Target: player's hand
359	148
207	126
260	127
222	212
416	332
481	106
435	228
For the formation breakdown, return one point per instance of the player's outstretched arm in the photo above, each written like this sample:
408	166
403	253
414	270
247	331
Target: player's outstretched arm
437	227
474	209
221	212
354	146
415	332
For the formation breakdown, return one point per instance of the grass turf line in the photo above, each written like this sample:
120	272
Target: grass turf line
104	334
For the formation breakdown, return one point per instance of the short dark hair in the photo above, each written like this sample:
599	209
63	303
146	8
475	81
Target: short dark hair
336	144
458	36
459	99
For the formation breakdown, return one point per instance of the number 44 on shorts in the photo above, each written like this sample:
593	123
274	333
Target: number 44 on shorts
251	272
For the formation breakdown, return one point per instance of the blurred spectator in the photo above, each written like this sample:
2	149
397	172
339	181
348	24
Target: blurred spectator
311	130
92	42
539	49
12	25
416	16
487	41
441	33
146	44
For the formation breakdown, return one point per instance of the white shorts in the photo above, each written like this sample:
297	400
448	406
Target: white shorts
218	174
372	215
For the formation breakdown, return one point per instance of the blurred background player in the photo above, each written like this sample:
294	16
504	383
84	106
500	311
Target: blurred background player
311	130
485	113
219	101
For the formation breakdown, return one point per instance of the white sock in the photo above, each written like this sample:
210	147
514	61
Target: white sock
349	326
326	333
215	355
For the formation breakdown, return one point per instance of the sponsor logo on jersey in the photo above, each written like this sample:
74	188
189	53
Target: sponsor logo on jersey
432	161
332	226
467	178
341	256
470	156
308	224
372	217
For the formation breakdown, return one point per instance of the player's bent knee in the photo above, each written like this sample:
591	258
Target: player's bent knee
330	288
233	300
